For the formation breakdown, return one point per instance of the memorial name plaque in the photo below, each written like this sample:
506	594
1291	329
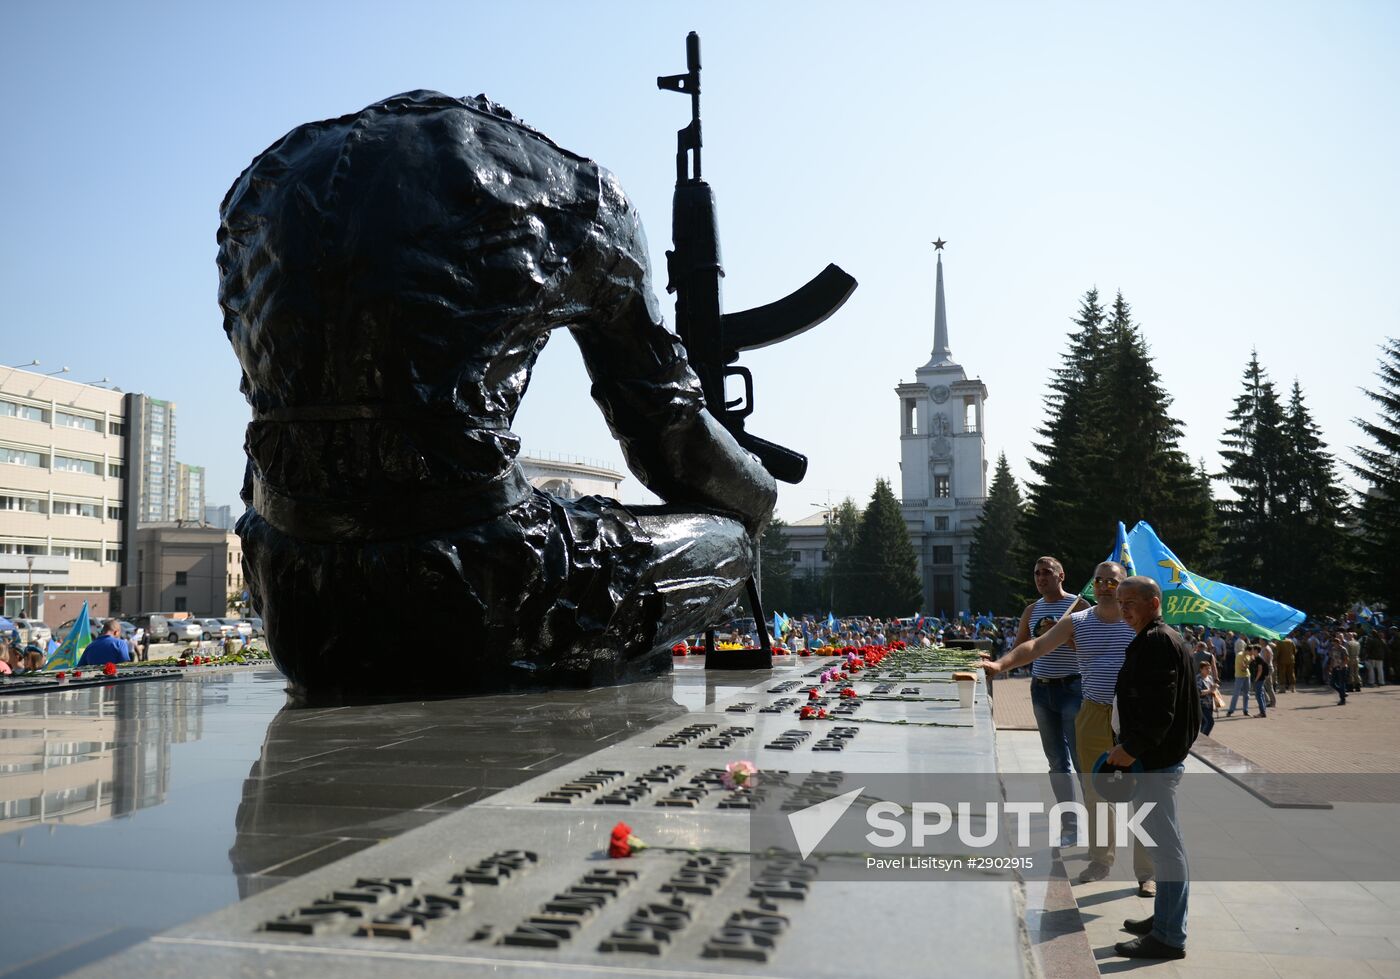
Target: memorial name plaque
542	898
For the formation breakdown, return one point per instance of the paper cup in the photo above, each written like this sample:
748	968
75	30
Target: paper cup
967	686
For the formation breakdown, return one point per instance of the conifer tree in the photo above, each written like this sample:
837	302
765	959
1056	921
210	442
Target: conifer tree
1315	571
840	539
1111	451
1378	541
994	570
1052	522
811	593
775	567
1254	450
1142	474
885	569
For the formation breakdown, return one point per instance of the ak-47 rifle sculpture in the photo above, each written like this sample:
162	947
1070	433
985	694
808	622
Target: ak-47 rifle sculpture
388	279
713	339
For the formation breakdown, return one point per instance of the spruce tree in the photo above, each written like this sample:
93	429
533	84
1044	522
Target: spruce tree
1110	452
1141	473
1054	521
1254	450
1315	570
1378	540
995	572
840	539
775	568
811	594
884	567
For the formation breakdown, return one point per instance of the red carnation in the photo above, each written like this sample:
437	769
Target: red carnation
77	673
848	693
807	713
110	669
622	843
814	693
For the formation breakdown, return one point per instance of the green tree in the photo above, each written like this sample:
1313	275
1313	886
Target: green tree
775	567
1110	451
1254	450
1315	572
1140	471
1053	522
995	571
811	594
884	567
841	529
1207	557
1378	540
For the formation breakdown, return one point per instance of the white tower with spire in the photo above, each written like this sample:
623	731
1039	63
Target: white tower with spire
943	464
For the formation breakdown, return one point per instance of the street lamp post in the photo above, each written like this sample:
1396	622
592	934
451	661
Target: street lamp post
29	587
828	513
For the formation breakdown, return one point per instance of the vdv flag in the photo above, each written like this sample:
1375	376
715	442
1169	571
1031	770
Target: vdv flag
831	622
1121	553
1190	598
79	637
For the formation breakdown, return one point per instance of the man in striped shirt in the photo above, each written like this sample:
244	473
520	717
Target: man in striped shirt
1055	691
1099	637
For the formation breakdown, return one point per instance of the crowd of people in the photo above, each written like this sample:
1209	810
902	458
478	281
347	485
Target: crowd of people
1344	655
17	656
809	632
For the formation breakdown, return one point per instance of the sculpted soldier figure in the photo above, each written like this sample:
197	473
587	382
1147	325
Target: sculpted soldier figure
387	280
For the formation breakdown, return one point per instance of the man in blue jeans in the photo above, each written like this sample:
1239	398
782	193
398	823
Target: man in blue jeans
1244	669
1159	712
1055	684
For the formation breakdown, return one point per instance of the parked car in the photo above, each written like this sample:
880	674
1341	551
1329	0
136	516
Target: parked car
257	625
185	630
128	628
242	628
156	626
61	633
33	630
214	629
95	627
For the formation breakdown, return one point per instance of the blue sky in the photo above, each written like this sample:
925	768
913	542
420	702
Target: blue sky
1230	167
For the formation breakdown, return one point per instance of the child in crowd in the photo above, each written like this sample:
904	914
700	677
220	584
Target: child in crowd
1205	687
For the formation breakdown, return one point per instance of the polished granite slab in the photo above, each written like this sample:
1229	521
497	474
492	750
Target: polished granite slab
415	888
211	792
130	808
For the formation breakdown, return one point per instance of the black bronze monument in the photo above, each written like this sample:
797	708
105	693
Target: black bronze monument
388	279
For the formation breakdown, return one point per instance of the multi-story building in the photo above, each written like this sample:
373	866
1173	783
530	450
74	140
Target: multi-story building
65	489
219	516
159	478
183	567
189	497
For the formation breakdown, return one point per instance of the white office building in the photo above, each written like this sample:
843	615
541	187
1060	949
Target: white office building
65	487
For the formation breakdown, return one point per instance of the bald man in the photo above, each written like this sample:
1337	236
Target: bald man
1159	717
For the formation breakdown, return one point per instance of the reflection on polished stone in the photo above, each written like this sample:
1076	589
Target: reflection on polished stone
343	777
135	807
88	755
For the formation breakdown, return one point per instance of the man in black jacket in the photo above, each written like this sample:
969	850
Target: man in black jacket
1159	718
